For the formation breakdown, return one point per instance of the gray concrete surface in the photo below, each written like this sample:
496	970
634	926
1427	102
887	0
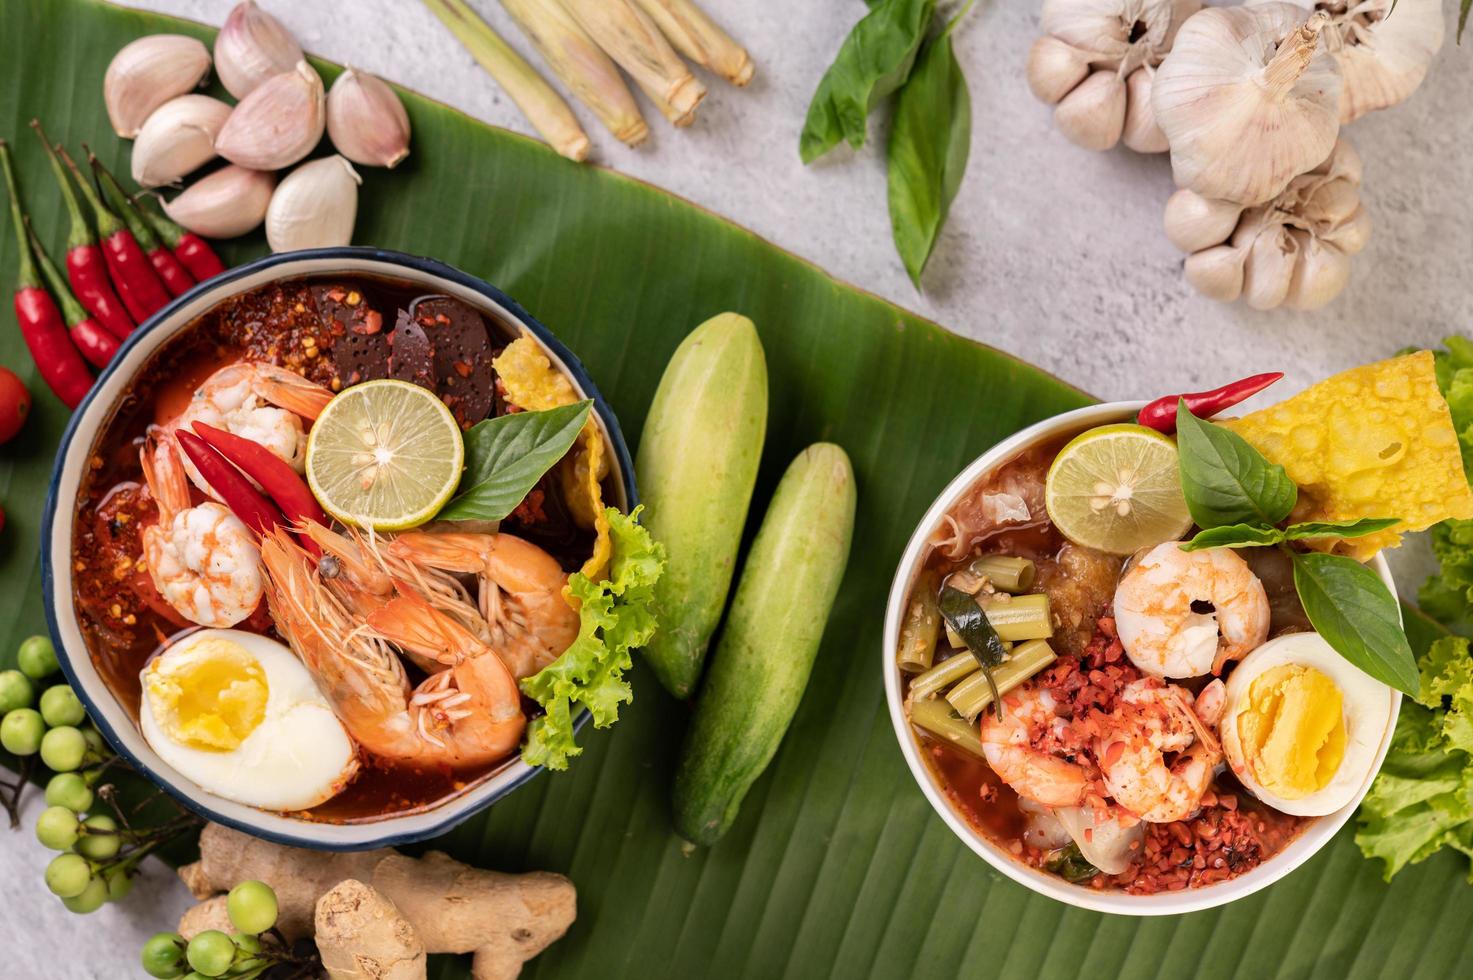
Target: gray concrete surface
1052	253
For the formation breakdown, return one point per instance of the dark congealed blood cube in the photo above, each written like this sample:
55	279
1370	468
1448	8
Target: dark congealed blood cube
412	357
360	345
457	332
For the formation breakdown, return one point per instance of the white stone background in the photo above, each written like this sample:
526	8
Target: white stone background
1052	253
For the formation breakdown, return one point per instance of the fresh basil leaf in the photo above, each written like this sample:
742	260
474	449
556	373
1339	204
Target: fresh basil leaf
1339	529
965	616
930	140
874	61
1349	605
1226	480
506	456
1234	536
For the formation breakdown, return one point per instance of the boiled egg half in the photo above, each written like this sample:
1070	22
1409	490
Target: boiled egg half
238	714
1302	727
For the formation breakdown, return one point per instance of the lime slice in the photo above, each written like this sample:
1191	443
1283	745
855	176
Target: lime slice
385	455
1117	489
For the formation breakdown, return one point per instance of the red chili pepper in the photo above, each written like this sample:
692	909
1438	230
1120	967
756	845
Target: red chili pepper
275	475
95	343
138	285
244	500
189	248
174	276
85	266
40	321
1161	413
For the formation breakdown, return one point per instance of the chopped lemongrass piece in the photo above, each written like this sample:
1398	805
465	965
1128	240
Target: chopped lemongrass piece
1019	617
922	623
698	37
539	101
936	718
582	65
943	675
633	40
1007	573
974	695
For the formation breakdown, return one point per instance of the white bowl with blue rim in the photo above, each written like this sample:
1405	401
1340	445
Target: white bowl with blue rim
117	724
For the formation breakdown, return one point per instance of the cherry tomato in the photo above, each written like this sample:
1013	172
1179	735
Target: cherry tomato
15	404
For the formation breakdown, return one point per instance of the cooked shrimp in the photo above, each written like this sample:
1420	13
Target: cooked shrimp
521	591
1187	613
467	714
1007	743
1210	702
1153	720
202	560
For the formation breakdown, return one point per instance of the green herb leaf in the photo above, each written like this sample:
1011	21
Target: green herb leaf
1070	864
1234	536
965	616
506	456
1463	18
1226	480
874	61
1352	609
1339	529
930	140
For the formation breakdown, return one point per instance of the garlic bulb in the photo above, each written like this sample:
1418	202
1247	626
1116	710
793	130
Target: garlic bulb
149	72
315	206
1293	251
229	202
1095	64
177	139
1383	57
251	47
277	124
1248	98
366	121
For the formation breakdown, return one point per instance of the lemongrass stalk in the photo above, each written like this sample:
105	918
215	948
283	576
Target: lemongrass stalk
633	40
539	101
582	65
698	37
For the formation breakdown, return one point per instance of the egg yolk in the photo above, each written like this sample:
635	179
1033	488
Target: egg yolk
1292	728
211	697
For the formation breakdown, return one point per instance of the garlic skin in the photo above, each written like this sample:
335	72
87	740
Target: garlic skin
227	203
1095	64
1248	98
149	72
279	123
1383	57
177	139
252	47
366	121
1293	251
315	206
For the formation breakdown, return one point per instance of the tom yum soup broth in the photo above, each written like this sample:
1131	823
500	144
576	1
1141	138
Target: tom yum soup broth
1110	657
258	572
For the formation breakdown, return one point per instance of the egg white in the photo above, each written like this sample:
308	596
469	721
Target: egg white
1366	704
298	756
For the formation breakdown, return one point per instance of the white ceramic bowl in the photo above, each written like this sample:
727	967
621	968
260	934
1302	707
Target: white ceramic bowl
115	722
1309	840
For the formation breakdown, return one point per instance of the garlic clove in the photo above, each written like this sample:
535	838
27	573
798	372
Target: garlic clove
252	47
1093	115
177	139
1141	133
1333	202
314	207
1054	68
278	124
1194	222
229	202
1216	272
1352	235
1320	274
1269	267
149	72
366	121
1344	161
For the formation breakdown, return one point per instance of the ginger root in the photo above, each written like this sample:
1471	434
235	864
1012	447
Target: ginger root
209	914
362	936
503	919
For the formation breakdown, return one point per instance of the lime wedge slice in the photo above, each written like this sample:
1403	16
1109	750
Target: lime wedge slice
1117	489
385	455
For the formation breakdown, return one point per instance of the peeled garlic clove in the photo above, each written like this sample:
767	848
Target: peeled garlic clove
1269	267
1093	114
1216	272
1194	222
251	48
1141	133
149	72
366	121
315	206
177	139
1054	68
1352	235
1320	274
227	203
278	123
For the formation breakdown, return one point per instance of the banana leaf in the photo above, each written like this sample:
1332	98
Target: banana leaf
837	866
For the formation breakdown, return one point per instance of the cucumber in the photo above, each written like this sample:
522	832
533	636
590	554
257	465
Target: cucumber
696	468
768	645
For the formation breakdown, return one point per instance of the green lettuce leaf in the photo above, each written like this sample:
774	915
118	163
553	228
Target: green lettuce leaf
615	618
